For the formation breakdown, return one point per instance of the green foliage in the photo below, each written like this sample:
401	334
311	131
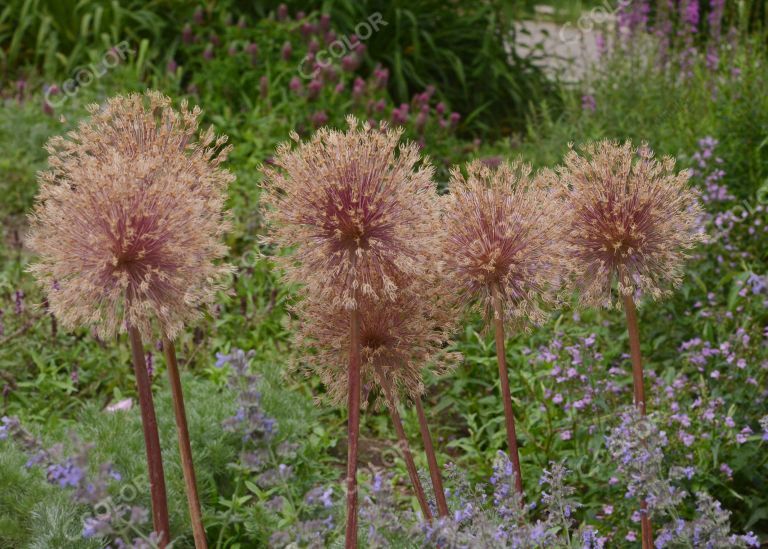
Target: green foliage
462	49
59	381
33	513
58	36
636	100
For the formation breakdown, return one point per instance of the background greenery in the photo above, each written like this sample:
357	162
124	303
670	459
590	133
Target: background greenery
58	381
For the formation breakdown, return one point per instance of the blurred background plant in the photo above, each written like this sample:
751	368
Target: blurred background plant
447	72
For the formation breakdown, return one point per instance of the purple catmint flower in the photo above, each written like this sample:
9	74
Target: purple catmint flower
172	66
714	19
307	29
250	420
588	103
47	107
764	427
208	52
314	88
18	306
187	36
8	426
600	44
421	121
377	480
319	118
400	115
350	62
295	85
320	496
726	470
65	474
690	14
96	527
358	88
286	51
252	49
591	539
325	22
199	15
150	360
381	77
51	90
632	16
282	12
744	434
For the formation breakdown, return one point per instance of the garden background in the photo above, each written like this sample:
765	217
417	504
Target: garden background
467	80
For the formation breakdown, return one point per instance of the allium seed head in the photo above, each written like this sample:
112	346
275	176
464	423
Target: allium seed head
129	219
359	209
400	337
632	219
503	229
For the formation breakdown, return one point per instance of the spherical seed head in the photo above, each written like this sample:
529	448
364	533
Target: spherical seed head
398	338
146	127
130	229
502	230
632	219
359	209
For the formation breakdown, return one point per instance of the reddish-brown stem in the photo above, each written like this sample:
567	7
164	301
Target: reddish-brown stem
498	321
151	440
434	468
353	427
634	348
410	465
639	396
185	448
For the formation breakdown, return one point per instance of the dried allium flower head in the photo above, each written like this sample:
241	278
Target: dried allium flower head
359	208
502	229
147	127
632	219
400	337
128	230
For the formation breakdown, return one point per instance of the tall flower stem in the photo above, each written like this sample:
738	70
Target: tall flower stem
185	449
434	468
151	440
353	427
404	446
639	396
498	321
634	349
